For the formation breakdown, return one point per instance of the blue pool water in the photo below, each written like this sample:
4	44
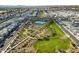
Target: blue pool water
39	22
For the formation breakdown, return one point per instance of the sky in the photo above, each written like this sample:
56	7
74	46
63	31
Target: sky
39	2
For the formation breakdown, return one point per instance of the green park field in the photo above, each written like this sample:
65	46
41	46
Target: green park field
58	42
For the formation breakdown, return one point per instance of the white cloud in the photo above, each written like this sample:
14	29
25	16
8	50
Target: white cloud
39	2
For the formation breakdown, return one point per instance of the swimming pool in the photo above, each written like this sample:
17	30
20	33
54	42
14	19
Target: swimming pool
40	22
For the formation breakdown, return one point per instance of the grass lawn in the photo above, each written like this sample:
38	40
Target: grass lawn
54	43
41	14
56	28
